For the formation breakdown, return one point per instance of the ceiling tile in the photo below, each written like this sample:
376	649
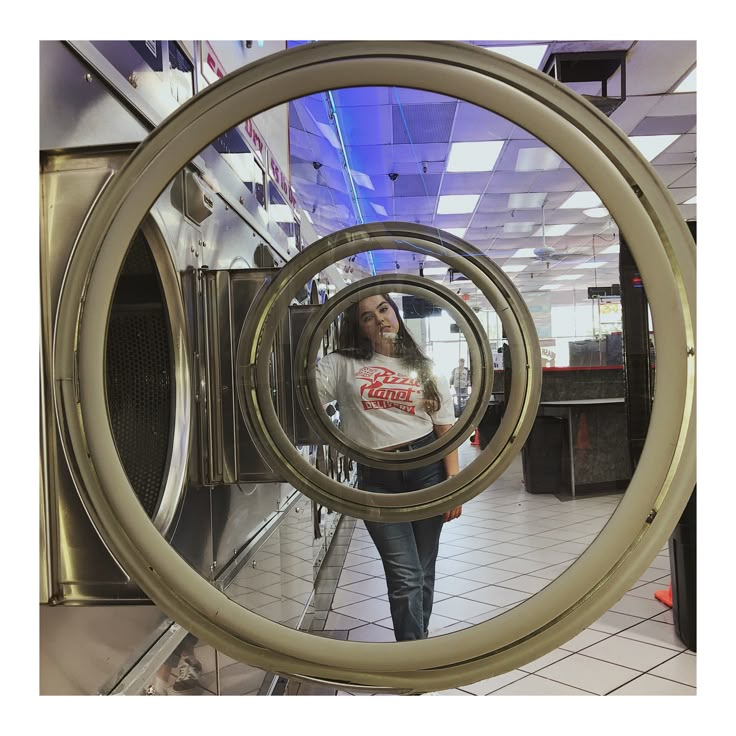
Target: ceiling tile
683	103
422	123
684	144
560	180
472	182
366	126
682	194
473	123
667	125
671	159
669	174
413	185
688	180
653	67
361	96
509	182
633	110
445	221
407	206
409	96
493	203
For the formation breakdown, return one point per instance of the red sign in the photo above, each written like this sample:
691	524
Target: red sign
212	69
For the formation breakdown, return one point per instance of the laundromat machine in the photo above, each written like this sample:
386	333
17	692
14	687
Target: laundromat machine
197	263
181	463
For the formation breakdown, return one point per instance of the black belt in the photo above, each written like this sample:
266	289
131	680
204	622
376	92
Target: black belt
415	444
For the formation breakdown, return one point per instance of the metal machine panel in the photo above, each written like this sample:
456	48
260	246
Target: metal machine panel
83	649
77	108
245	288
298	428
210	505
150	418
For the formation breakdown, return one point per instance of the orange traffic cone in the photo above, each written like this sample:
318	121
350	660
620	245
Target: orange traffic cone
665	596
582	440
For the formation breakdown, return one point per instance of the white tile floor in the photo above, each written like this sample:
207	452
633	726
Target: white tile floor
507	545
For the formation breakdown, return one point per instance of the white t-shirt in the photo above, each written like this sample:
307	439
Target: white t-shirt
381	404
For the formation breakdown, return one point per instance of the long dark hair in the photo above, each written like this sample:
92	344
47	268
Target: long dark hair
352	342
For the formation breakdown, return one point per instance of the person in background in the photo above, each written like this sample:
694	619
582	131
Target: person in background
391	400
460	381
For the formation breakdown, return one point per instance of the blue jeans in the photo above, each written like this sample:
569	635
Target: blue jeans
408	549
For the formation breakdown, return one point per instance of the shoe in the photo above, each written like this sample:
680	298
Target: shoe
187	681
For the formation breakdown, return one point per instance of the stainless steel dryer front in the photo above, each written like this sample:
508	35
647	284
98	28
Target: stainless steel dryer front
165	366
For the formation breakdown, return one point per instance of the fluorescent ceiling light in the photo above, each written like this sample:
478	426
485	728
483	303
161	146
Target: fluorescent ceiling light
691	200
434	271
328	133
652	145
537	159
362	179
591	264
581	200
524	253
518	227
379	209
514	269
549	287
553	230
457	204
687	84
527	201
568	278
430	258
596	212
457	231
612	249
531	54
474	156
308	216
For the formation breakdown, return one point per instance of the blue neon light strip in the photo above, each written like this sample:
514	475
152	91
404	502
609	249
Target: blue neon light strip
361	219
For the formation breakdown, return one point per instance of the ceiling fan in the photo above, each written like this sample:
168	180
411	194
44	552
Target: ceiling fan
545	253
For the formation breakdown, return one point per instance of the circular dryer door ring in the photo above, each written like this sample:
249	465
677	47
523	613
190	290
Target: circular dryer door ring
253	386
664	252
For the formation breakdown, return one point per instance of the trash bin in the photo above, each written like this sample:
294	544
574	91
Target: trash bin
490	423
545	456
682	563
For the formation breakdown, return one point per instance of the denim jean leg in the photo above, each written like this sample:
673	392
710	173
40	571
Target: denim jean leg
398	550
427	533
408	550
404	579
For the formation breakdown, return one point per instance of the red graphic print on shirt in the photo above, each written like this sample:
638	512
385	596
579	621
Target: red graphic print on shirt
386	389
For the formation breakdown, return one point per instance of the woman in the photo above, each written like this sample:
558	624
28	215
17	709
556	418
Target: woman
389	399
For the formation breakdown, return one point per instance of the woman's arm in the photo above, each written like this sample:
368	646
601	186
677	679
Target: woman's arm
452	463
452	467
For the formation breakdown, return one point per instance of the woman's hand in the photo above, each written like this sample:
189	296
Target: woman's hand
452	513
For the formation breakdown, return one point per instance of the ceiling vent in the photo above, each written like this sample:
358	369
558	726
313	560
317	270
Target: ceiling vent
591	66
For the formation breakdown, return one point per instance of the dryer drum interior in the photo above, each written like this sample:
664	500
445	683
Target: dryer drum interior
139	375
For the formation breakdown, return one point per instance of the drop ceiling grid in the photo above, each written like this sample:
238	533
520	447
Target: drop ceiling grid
384	137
